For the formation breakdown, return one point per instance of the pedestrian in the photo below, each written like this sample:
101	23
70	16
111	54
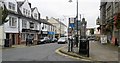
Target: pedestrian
30	39
27	39
70	43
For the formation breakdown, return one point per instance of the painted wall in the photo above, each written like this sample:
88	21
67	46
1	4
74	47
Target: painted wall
35	11
9	29
26	6
1	36
6	2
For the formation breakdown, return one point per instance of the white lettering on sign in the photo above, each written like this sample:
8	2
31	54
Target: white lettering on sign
45	33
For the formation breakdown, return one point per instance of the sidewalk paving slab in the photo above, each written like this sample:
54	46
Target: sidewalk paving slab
98	52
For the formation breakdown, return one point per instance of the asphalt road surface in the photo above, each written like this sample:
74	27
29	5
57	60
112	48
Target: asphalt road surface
44	52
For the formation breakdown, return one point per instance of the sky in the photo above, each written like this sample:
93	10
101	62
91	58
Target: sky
62	9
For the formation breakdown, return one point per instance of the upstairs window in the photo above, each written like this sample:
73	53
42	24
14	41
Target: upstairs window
28	13
12	21
23	10
24	23
35	26
31	25
11	6
35	15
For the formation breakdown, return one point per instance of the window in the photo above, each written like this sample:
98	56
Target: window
51	28
36	26
23	36
11	6
45	26
23	10
35	36
31	25
24	23
28	13
35	15
12	21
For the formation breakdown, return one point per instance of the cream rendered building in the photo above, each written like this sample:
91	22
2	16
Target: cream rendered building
60	27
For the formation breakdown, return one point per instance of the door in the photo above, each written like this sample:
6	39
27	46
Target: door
13	39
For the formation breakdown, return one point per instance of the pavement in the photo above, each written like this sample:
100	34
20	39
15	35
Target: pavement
98	52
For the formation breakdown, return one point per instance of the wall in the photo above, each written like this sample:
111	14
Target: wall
9	29
13	1
1	36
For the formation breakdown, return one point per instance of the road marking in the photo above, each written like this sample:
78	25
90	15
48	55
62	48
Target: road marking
57	51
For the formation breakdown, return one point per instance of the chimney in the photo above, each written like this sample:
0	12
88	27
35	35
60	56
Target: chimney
47	18
30	5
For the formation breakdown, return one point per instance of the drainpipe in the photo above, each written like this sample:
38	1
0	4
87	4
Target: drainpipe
19	35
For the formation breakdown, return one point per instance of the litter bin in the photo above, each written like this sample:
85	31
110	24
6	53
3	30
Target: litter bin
84	47
7	44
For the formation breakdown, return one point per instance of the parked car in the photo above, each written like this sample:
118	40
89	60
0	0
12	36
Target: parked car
91	37
43	40
62	40
39	41
54	39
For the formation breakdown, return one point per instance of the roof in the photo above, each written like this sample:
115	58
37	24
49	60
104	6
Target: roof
59	22
20	4
19	12
32	9
45	22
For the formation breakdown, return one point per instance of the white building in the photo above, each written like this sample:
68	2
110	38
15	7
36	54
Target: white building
30	22
11	27
47	29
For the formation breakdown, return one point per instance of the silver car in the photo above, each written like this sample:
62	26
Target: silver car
62	40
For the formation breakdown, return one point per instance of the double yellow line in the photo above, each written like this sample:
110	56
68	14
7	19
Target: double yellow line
58	52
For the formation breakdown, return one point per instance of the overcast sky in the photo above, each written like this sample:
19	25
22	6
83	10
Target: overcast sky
63	9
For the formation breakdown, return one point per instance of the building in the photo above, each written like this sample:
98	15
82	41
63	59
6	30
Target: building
47	29
60	27
107	12
23	20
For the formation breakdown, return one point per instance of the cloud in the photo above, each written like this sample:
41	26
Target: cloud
58	8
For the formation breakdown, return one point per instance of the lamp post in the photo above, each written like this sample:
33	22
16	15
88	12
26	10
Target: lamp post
76	23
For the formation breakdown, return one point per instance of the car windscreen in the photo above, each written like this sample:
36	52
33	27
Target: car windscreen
62	38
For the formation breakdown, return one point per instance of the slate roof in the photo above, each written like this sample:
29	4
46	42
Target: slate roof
45	22
32	8
59	22
19	4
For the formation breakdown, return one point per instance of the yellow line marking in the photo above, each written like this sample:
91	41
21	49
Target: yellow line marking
57	51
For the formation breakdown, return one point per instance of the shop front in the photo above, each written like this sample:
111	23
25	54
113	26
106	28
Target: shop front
44	34
51	34
26	32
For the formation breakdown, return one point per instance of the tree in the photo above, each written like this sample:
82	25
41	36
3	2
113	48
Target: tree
91	31
4	13
117	21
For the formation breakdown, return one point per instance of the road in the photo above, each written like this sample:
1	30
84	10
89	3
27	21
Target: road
44	52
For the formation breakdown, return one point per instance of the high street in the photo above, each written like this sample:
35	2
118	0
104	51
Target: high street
44	52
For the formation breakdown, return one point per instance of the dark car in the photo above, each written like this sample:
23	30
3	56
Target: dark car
91	37
62	40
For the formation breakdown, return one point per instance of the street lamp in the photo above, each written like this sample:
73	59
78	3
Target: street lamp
76	22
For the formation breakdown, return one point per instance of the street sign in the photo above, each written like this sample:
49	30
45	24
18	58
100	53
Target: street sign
72	25
71	20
